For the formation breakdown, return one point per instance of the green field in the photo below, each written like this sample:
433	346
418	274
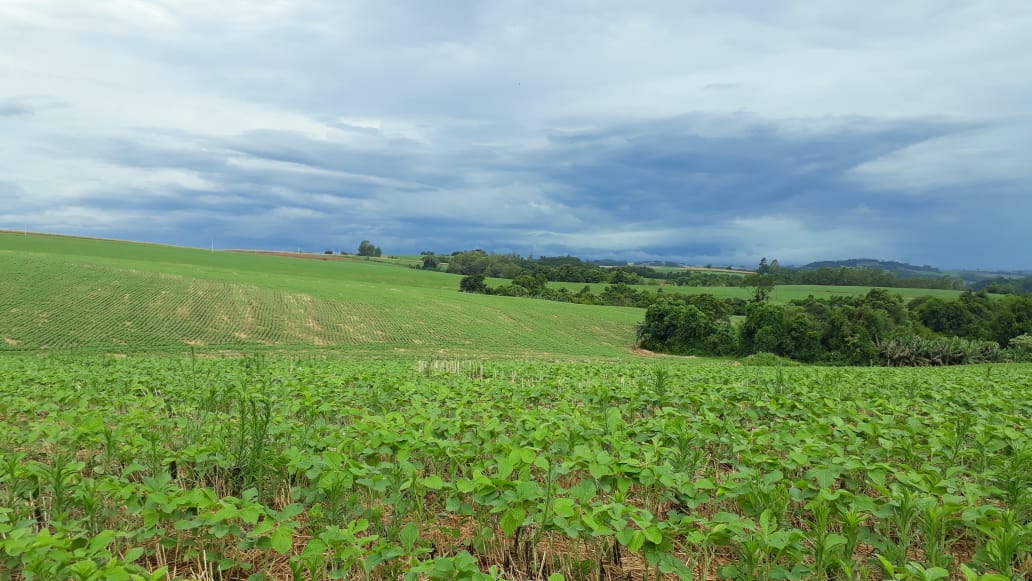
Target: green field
368	421
61	293
246	468
780	294
87	295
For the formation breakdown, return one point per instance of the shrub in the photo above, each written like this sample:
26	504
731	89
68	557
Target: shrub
473	283
916	351
764	359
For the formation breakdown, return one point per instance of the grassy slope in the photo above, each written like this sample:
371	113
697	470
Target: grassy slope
95	295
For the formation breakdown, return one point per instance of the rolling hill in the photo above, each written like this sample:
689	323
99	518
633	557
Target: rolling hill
69	294
73	294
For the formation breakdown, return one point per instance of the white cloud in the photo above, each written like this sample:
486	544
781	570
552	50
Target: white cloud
458	96
991	156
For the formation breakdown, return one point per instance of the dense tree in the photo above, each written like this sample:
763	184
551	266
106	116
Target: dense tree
367	248
534	283
672	326
473	283
762	282
762	285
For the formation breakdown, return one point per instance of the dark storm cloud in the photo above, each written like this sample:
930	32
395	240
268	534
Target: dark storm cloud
697	187
675	165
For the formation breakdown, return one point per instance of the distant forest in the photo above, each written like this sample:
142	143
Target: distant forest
573	269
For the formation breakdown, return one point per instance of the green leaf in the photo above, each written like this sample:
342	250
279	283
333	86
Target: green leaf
653	534
83	569
512	519
101	541
825	476
251	514
935	573
887	565
593	524
433	482
505	467
632	539
226	512
834	540
527	455
704	484
408	535
291	510
281	540
624	536
614	420
563	507
584	492
599	470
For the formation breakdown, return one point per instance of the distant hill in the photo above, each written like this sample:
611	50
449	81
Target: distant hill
649	263
902	269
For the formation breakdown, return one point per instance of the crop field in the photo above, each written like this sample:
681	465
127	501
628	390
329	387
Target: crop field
86	295
247	468
81	295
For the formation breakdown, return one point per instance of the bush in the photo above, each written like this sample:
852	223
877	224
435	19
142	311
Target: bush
764	359
473	283
916	351
1019	349
367	249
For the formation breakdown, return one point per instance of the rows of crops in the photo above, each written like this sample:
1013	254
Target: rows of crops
309	469
100	305
68	302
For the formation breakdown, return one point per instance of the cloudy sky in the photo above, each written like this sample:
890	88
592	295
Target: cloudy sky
712	132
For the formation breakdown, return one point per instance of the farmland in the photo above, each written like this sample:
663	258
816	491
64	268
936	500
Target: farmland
248	468
78	295
172	413
96	296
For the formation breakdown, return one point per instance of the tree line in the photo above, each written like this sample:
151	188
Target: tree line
547	268
614	295
877	328
573	269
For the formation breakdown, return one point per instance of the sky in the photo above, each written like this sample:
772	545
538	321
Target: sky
704	132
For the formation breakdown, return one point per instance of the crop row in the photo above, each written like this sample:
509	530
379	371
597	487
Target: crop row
256	469
116	308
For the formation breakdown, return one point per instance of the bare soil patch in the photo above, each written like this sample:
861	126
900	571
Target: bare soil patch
303	255
646	353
